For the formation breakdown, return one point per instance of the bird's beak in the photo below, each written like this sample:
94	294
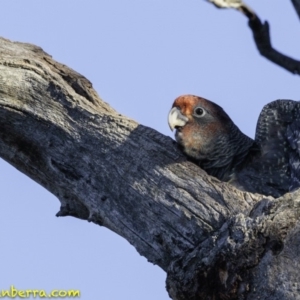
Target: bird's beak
176	118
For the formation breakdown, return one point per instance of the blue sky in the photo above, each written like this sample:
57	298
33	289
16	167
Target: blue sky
139	55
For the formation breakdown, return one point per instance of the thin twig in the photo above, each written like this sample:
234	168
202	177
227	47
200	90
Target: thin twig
296	4
261	34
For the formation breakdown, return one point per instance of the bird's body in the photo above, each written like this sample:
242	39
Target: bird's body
269	165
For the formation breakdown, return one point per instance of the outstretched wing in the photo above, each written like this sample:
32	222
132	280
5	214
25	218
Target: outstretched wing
293	135
278	137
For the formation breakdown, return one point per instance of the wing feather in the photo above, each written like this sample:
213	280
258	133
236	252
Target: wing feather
278	136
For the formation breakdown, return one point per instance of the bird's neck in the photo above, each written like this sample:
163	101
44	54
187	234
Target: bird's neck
230	155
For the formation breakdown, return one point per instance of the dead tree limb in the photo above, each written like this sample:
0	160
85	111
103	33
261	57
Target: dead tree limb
296	4
214	242
261	34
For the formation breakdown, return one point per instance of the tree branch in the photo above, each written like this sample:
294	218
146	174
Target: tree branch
261	34
111	171
296	4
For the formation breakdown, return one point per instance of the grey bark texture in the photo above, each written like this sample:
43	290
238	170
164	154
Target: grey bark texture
212	240
261	34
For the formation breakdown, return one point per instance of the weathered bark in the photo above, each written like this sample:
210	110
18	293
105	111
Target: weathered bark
261	34
214	241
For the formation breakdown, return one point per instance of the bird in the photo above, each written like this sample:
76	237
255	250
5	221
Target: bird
269	164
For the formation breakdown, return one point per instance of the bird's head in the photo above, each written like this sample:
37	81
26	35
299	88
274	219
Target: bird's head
202	127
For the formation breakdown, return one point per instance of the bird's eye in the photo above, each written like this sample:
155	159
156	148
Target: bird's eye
199	112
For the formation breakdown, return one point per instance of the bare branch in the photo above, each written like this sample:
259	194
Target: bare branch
296	4
104	167
261	34
235	4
